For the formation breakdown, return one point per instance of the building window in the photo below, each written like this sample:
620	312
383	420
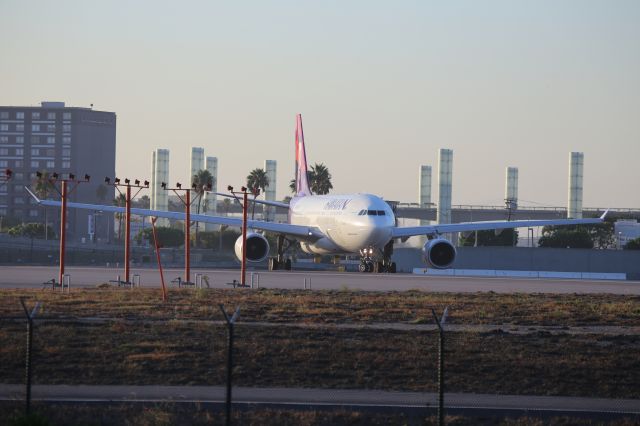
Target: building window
33	213
18	200
19	127
51	152
66	116
66	152
17	187
66	164
20	115
51	116
51	127
35	140
51	140
35	127
4	151
4	115
20	139
66	128
35	151
4	127
4	139
4	163
35	115
19	176
35	164
51	164
66	140
3	212
19	151
19	163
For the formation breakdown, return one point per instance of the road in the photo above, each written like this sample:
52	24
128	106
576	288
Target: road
296	397
34	276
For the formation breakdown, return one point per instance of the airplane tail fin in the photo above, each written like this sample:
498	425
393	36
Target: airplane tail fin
302	182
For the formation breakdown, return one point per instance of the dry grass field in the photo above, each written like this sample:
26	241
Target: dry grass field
298	339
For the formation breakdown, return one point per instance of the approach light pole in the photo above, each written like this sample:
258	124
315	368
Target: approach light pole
245	207
186	201
64	193
230	325
127	194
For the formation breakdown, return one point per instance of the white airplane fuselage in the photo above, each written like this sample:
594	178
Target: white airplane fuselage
351	222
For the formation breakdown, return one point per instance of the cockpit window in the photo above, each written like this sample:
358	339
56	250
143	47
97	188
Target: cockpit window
381	213
372	213
362	212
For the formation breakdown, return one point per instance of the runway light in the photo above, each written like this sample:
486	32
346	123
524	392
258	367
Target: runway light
107	180
87	177
193	186
178	185
230	188
39	174
209	186
127	181
243	189
72	176
137	181
55	175
146	183
8	173
116	181
164	185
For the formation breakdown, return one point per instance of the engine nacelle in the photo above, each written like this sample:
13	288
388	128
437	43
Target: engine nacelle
257	247
439	253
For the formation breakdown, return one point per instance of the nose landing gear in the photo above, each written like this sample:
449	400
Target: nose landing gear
368	264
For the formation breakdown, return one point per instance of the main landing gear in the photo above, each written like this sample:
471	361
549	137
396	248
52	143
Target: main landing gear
369	264
280	261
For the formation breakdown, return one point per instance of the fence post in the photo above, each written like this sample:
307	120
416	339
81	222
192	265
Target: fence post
230	322
440	323
30	317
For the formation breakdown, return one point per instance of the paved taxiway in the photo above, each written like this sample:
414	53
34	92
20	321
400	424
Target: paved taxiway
33	276
322	397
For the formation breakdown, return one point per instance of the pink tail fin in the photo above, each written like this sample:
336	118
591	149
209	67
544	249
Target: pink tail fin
302	183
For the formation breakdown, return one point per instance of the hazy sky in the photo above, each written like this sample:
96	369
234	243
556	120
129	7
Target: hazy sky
381	86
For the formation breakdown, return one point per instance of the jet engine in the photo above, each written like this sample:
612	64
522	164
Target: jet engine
439	253
257	247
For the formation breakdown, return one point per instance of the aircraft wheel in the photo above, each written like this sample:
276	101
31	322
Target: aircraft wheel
392	268
362	267
287	264
273	264
369	266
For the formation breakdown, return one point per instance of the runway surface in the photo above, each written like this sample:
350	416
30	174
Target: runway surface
322	397
34	276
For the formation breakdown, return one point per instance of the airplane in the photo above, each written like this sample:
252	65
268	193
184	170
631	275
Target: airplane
348	224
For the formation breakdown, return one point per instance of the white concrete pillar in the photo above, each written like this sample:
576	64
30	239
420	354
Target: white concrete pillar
445	180
197	162
159	198
511	186
270	167
576	173
211	200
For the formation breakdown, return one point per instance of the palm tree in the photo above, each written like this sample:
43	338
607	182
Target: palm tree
202	180
43	187
257	179
120	201
320	179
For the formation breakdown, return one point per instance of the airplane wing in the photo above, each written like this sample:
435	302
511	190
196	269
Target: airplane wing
251	200
301	232
410	231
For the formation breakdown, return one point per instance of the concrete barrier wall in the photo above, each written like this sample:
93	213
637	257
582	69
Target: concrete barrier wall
533	259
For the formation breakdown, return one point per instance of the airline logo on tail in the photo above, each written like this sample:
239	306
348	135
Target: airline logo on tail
302	183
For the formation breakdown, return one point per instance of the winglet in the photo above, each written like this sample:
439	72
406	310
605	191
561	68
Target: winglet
606	212
38	200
